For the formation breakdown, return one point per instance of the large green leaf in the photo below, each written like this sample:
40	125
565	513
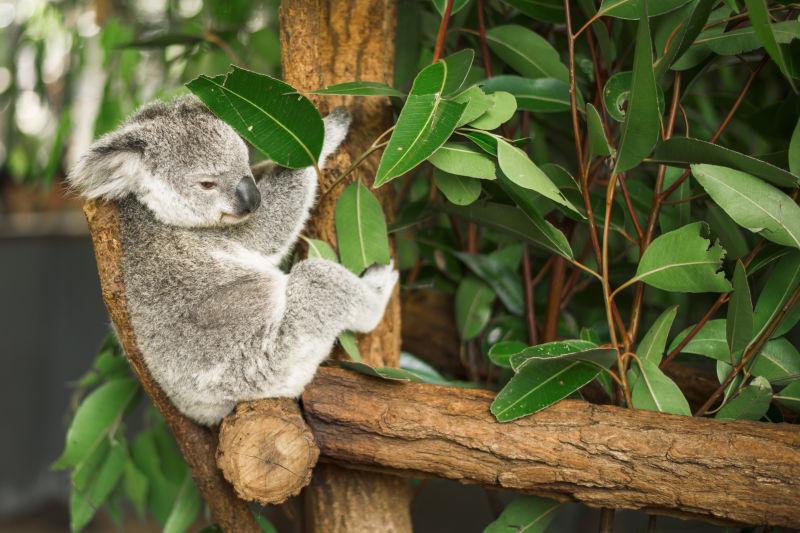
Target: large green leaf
526	52
683	152
463	160
528	514
426	121
651	349
473	305
689	29
778	361
284	126
789	397
161	490
505	282
95	417
564	350
753	204
751	404
86	498
457	189
360	88
739	323
760	18
632	9
642	119
655	391
544	10
598	143
684	261
540	95
524	226
361	229
517	166
746	39
781	283
186	507
503	107
710	341
477	103
540	385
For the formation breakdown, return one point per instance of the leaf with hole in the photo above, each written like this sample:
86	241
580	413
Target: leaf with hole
617	94
360	229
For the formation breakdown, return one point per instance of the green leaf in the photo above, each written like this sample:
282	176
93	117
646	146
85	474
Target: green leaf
320	249
540	385
347	340
642	119
503	107
505	282
654	391
683	152
502	352
751	404
540	95
759	16
423	370
463	160
617	95
687	33
446	76
387	373
598	143
528	514
522	226
457	189
744	40
778	361
186	507
526	52
728	232
789	397
426	121
473	304
476	101
361	229
95	417
516	165
264	524
136	487
360	88
651	349
85	501
162	491
710	341
269	114
739	325
544	10
781	283
458	5
633	9
753	204
683	261
794	150
564	350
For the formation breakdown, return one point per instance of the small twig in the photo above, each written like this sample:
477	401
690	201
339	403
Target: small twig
487	60
213	38
439	48
629	205
350	169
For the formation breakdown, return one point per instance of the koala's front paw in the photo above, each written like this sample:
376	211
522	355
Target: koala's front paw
337	123
380	281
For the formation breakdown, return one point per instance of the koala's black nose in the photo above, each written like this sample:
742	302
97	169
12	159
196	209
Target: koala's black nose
247	196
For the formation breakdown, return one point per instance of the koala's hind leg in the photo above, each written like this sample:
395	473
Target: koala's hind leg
322	300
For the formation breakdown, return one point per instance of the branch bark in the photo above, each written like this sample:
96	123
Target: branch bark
198	444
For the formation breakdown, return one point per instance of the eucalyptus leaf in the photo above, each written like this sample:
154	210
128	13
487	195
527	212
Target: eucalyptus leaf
654	391
544	10
360	88
751	404
739	324
463	160
742	40
502	352
320	249
759	16
564	350
617	94
505	282
689	29
387	373
781	283
632	9
347	340
598	143
753	204
84	502
457	189
528	514
526	52
360	229
477	103
684	261
540	95
186	507
651	349
778	361
789	397
794	150
473	304
502	109
136	487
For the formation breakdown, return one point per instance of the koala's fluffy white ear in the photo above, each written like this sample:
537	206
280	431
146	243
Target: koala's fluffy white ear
112	166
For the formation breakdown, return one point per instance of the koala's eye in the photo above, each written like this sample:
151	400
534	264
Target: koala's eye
208	185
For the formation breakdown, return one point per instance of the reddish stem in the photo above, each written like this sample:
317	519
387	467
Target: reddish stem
487	61
440	37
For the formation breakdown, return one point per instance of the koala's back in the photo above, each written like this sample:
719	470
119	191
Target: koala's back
193	332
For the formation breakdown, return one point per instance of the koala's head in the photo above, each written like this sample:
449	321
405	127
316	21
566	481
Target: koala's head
187	166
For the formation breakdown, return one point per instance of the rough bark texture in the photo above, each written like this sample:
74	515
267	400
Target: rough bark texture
198	444
267	451
325	42
604	456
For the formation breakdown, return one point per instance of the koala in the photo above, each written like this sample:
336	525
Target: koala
216	319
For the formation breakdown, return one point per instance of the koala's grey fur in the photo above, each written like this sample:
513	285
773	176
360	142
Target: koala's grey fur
216	319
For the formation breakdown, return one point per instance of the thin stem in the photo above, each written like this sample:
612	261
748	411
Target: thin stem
351	168
530	309
213	38
439	48
554	298
487	60
629	206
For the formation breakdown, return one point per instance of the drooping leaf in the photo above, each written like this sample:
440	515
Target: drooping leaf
361	229
739	324
457	189
518	167
544	10
360	88
516	223
503	107
347	340
759	16
86	498
186	507
526	52
477	103
689	29
95	417
505	282
283	125
473	304
789	397
683	261
781	283
642	120
320	249
387	373
598	143
651	349
684	151
423	370
655	391
463	160
632	9
751	404
540	95
540	385
742	40
753	204
564	350
530	514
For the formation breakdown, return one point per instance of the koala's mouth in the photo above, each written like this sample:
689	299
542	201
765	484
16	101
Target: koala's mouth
229	218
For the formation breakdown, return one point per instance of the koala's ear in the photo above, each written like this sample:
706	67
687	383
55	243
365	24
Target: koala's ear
112	166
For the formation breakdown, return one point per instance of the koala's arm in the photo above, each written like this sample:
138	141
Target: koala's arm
288	195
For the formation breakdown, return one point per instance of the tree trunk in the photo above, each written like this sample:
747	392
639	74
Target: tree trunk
325	42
